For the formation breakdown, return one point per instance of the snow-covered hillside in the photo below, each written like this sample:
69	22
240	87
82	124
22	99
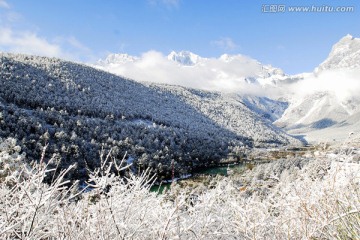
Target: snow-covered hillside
78	110
317	110
268	108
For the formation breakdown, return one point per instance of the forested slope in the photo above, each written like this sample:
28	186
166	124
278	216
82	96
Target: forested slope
78	110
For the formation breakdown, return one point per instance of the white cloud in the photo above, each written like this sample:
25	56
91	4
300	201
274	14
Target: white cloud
4	4
16	40
22	41
231	73
225	43
27	42
221	74
344	83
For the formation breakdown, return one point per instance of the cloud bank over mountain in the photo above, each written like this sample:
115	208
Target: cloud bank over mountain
343	83
227	73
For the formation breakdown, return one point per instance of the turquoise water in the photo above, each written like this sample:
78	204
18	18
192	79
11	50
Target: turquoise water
223	171
160	189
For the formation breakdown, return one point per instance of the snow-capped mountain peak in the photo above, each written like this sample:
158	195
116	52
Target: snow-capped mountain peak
117	58
344	54
184	58
270	71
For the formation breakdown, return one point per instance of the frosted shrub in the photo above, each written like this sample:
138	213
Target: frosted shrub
10	159
315	198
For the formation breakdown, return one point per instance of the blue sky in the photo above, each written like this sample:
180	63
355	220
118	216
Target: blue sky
86	30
